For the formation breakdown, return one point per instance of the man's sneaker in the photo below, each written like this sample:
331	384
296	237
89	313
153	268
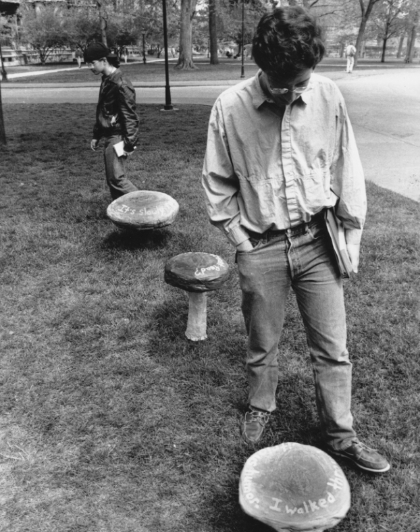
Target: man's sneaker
364	457
254	424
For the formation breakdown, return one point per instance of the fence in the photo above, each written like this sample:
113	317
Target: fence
13	57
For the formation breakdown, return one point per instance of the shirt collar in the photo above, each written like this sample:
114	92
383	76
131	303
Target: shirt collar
306	96
259	97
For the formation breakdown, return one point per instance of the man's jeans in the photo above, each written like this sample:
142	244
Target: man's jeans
115	169
302	259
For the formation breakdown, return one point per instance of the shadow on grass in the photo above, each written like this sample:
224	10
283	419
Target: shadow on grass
136	240
210	379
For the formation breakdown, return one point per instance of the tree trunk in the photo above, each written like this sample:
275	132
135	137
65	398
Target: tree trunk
386	37
400	46
366	11
3	139
42	57
214	59
103	32
185	58
384	50
360	38
3	72
411	47
103	24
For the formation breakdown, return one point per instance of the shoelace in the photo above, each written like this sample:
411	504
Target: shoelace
362	446
257	415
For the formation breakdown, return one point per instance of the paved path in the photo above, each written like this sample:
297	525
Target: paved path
29	73
384	106
385	112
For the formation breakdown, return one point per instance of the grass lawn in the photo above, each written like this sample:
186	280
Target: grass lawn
111	420
152	72
227	69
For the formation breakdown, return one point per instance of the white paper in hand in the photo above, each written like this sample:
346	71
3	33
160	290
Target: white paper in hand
119	149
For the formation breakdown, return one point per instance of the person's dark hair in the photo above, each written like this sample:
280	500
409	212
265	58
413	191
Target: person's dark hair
113	60
287	41
97	50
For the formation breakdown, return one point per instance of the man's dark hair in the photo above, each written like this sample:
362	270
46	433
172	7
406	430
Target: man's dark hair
97	50
113	60
287	41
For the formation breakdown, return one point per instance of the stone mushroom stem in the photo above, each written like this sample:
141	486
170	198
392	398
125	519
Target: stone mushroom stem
197	317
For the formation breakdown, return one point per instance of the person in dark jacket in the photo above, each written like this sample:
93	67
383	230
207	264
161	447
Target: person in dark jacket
116	117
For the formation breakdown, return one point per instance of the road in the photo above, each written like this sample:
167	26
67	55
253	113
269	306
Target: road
384	107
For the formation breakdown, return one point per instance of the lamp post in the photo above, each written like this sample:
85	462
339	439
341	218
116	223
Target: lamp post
168	105
144	48
243	31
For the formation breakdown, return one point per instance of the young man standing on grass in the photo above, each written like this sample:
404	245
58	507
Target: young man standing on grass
278	145
116	117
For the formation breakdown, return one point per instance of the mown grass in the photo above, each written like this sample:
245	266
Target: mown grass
111	420
154	72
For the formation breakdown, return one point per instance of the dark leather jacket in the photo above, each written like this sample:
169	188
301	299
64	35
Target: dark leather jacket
116	110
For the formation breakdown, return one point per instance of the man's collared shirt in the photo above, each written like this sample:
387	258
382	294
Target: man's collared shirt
267	170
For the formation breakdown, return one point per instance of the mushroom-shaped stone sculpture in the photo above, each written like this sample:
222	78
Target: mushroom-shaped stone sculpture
294	487
197	273
142	210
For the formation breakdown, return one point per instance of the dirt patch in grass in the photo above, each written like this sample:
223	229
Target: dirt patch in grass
112	420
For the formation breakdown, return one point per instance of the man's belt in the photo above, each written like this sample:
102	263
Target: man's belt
292	231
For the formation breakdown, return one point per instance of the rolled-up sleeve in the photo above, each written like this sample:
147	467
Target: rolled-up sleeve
348	181
220	183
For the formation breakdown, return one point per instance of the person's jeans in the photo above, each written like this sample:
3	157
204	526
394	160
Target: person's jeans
115	169
302	259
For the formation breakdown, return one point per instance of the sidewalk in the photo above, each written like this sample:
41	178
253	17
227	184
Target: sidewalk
74	67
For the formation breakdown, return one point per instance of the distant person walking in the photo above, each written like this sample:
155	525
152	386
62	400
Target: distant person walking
79	57
350	54
116	117
125	54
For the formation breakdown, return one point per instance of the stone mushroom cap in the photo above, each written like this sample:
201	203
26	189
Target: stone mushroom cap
294	487
142	210
196	272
